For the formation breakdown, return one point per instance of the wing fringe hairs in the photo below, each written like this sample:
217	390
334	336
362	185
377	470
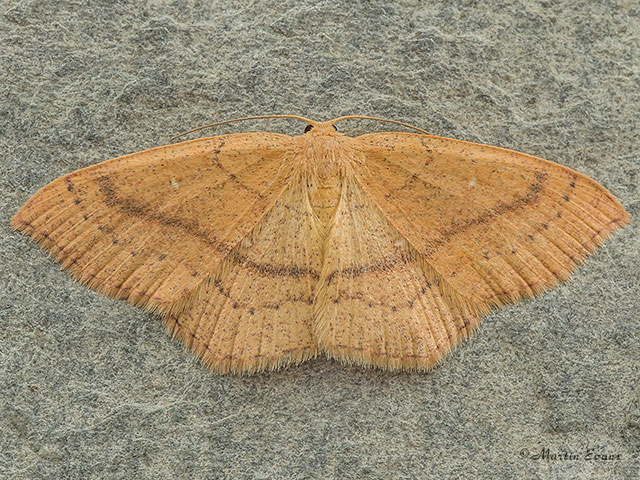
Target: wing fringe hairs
262	250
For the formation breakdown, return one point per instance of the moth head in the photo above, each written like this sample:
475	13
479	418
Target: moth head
320	128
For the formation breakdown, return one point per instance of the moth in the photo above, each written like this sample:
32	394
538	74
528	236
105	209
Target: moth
261	250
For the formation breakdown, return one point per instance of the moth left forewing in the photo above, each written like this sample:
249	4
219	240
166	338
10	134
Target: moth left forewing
149	226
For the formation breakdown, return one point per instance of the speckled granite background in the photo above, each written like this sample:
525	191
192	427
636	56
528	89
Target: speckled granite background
94	388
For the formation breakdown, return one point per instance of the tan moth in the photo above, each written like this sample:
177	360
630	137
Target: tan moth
261	250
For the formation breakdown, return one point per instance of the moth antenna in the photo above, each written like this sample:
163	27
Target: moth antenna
258	117
364	117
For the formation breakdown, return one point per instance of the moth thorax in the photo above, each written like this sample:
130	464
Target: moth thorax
330	157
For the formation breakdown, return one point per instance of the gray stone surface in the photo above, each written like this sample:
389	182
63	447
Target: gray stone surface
94	388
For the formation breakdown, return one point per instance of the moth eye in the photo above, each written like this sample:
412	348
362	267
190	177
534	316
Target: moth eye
335	128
